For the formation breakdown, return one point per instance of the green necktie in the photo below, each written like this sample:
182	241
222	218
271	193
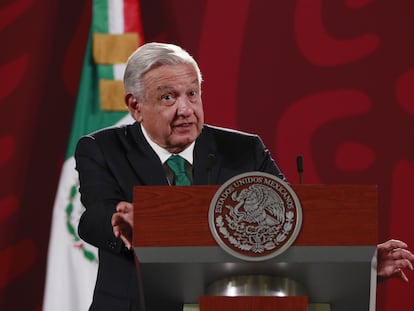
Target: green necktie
176	164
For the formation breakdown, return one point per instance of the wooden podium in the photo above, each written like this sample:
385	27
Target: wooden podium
333	257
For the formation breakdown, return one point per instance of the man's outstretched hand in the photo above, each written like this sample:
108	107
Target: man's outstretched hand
122	222
392	258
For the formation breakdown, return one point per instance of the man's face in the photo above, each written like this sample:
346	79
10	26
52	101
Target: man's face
172	111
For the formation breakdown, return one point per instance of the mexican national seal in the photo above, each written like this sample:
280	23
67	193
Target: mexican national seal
255	216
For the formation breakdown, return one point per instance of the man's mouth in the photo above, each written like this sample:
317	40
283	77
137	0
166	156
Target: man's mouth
183	125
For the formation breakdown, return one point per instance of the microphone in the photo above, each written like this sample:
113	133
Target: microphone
211	160
299	167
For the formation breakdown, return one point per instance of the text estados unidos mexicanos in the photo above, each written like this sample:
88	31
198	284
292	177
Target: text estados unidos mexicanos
253	180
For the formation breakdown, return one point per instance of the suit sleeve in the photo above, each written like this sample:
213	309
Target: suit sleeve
264	161
100	194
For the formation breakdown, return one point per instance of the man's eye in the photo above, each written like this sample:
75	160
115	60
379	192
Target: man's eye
192	93
166	97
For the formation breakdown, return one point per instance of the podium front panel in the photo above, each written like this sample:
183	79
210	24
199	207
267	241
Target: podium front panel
331	257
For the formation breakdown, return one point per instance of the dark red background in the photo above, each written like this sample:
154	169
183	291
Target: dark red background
331	80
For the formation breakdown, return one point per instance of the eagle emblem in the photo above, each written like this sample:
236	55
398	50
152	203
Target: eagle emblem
255	216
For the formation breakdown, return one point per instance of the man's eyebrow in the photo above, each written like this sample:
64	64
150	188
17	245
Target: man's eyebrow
165	87
168	87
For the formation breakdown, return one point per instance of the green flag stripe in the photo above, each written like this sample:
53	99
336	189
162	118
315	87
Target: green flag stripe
106	72
100	16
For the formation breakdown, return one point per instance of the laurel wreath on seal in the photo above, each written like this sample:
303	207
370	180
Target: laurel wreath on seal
257	247
79	244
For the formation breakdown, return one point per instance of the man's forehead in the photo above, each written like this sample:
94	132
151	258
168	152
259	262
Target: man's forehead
172	86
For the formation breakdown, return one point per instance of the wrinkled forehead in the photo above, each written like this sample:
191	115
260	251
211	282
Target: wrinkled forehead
170	76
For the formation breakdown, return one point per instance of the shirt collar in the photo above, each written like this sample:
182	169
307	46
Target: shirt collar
164	154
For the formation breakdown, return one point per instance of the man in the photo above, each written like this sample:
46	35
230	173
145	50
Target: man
163	94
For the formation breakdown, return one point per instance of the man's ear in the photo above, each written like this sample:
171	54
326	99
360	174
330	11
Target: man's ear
134	106
130	101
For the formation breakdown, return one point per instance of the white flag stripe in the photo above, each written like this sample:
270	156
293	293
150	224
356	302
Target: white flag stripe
119	70
58	280
116	16
116	26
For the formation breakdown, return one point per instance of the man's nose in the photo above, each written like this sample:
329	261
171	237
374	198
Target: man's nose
184	106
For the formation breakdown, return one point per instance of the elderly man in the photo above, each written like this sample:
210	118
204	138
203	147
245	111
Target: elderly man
163	94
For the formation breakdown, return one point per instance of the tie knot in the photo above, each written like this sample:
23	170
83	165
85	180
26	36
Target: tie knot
177	165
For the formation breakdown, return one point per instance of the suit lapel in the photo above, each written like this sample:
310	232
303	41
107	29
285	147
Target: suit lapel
143	159
206	159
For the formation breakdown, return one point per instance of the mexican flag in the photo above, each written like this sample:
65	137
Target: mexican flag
72	264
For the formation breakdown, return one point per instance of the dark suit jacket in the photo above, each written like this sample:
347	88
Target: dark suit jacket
112	161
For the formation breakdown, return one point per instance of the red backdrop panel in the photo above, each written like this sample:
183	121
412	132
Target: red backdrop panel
331	80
